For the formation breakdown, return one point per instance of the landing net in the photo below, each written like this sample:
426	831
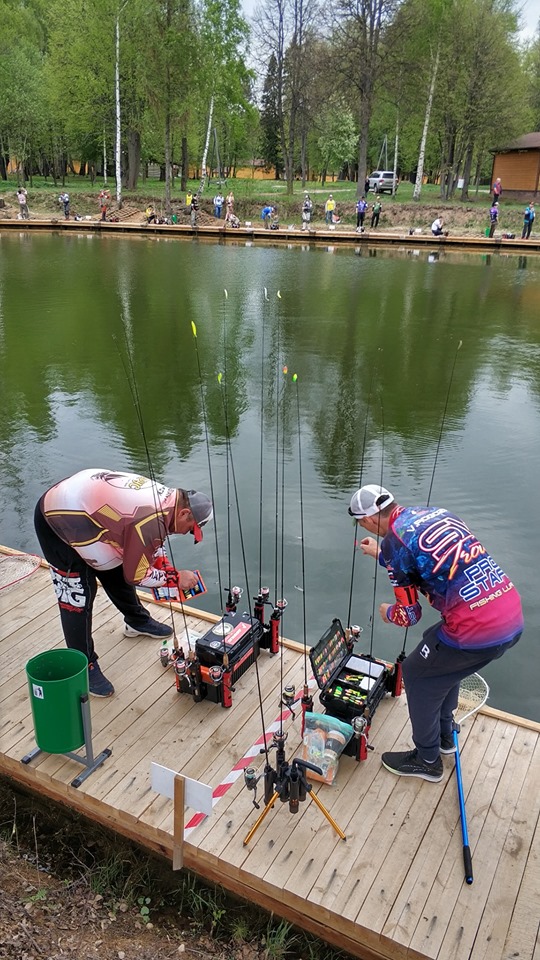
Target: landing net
16	567
473	693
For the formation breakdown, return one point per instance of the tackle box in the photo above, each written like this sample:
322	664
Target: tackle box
349	682
237	636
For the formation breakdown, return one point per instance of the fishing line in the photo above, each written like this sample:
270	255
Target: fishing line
441	431
235	488
227	455
134	390
362	460
207	441
375	575
302	543
282	582
458	348
261	451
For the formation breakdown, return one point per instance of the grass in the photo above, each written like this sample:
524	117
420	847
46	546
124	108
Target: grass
256	190
128	878
399	212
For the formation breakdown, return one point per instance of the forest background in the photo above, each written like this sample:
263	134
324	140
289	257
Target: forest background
307	89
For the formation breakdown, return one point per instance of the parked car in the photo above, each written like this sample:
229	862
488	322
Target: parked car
382	181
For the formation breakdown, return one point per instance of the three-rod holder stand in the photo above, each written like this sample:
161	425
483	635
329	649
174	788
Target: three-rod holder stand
287	783
88	760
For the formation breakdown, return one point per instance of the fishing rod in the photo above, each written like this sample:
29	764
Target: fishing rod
233	644
286	781
362	460
233	593
402	655
129	371
307	699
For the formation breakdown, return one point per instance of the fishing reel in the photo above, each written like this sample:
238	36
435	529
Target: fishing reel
270	639
250	782
361	725
288	696
233	598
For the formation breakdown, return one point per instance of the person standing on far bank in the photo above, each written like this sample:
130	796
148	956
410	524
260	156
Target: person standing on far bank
493	218
431	551
110	526
497	190
528	220
22	197
376	212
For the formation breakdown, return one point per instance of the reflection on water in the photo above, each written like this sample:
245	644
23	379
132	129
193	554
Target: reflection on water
370	334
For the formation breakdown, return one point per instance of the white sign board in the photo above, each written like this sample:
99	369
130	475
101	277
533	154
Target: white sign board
197	795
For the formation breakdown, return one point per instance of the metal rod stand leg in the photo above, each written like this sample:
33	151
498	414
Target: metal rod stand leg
328	816
260	819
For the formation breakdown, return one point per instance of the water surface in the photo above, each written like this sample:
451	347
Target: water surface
87	321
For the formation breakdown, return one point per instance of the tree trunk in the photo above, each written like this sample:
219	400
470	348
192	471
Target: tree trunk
365	117
206	144
467	172
427	117
134	159
184	165
303	157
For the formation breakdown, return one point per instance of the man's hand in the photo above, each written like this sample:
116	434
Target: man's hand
369	546
384	607
186	579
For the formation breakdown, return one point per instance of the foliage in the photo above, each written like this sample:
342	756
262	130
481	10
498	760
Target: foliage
335	80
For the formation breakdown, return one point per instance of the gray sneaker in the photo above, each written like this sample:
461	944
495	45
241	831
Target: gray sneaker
152	628
447	745
410	764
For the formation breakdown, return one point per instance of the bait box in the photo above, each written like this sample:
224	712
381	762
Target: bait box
349	682
233	642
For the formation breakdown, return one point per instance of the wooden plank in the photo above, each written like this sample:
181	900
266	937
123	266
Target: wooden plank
305	859
507	880
439	844
524	928
214	765
462	929
444	907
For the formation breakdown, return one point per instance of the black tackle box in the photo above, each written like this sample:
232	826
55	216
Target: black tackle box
349	682
237	636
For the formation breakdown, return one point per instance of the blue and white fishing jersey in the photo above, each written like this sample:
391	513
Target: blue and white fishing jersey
431	550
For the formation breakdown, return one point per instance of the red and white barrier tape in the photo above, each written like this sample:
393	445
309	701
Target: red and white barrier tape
239	768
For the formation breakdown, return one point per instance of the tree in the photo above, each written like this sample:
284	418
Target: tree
358	29
286	29
270	140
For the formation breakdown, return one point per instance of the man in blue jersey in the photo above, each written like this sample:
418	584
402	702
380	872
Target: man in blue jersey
431	551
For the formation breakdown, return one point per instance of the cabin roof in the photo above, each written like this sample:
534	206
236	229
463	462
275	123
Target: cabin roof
529	141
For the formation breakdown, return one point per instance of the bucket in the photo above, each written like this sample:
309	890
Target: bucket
57	679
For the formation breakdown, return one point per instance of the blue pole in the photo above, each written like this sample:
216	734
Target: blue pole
467	858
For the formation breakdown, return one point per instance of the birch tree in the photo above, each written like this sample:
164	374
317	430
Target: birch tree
357	36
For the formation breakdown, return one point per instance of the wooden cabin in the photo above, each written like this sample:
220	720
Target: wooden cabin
518	166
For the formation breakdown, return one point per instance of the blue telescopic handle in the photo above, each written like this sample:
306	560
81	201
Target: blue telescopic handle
467	858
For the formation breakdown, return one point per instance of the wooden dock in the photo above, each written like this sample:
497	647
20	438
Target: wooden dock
248	233
394	889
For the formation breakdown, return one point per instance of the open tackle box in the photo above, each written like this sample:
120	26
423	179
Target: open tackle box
352	685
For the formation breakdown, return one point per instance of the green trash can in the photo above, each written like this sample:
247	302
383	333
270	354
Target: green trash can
57	679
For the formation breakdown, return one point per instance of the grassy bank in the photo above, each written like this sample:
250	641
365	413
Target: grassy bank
70	888
399	213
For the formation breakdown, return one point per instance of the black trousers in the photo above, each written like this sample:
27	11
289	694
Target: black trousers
75	585
432	674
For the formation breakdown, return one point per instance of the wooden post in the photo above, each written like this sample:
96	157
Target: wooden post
178	823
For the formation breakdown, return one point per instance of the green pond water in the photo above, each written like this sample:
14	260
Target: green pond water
372	336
